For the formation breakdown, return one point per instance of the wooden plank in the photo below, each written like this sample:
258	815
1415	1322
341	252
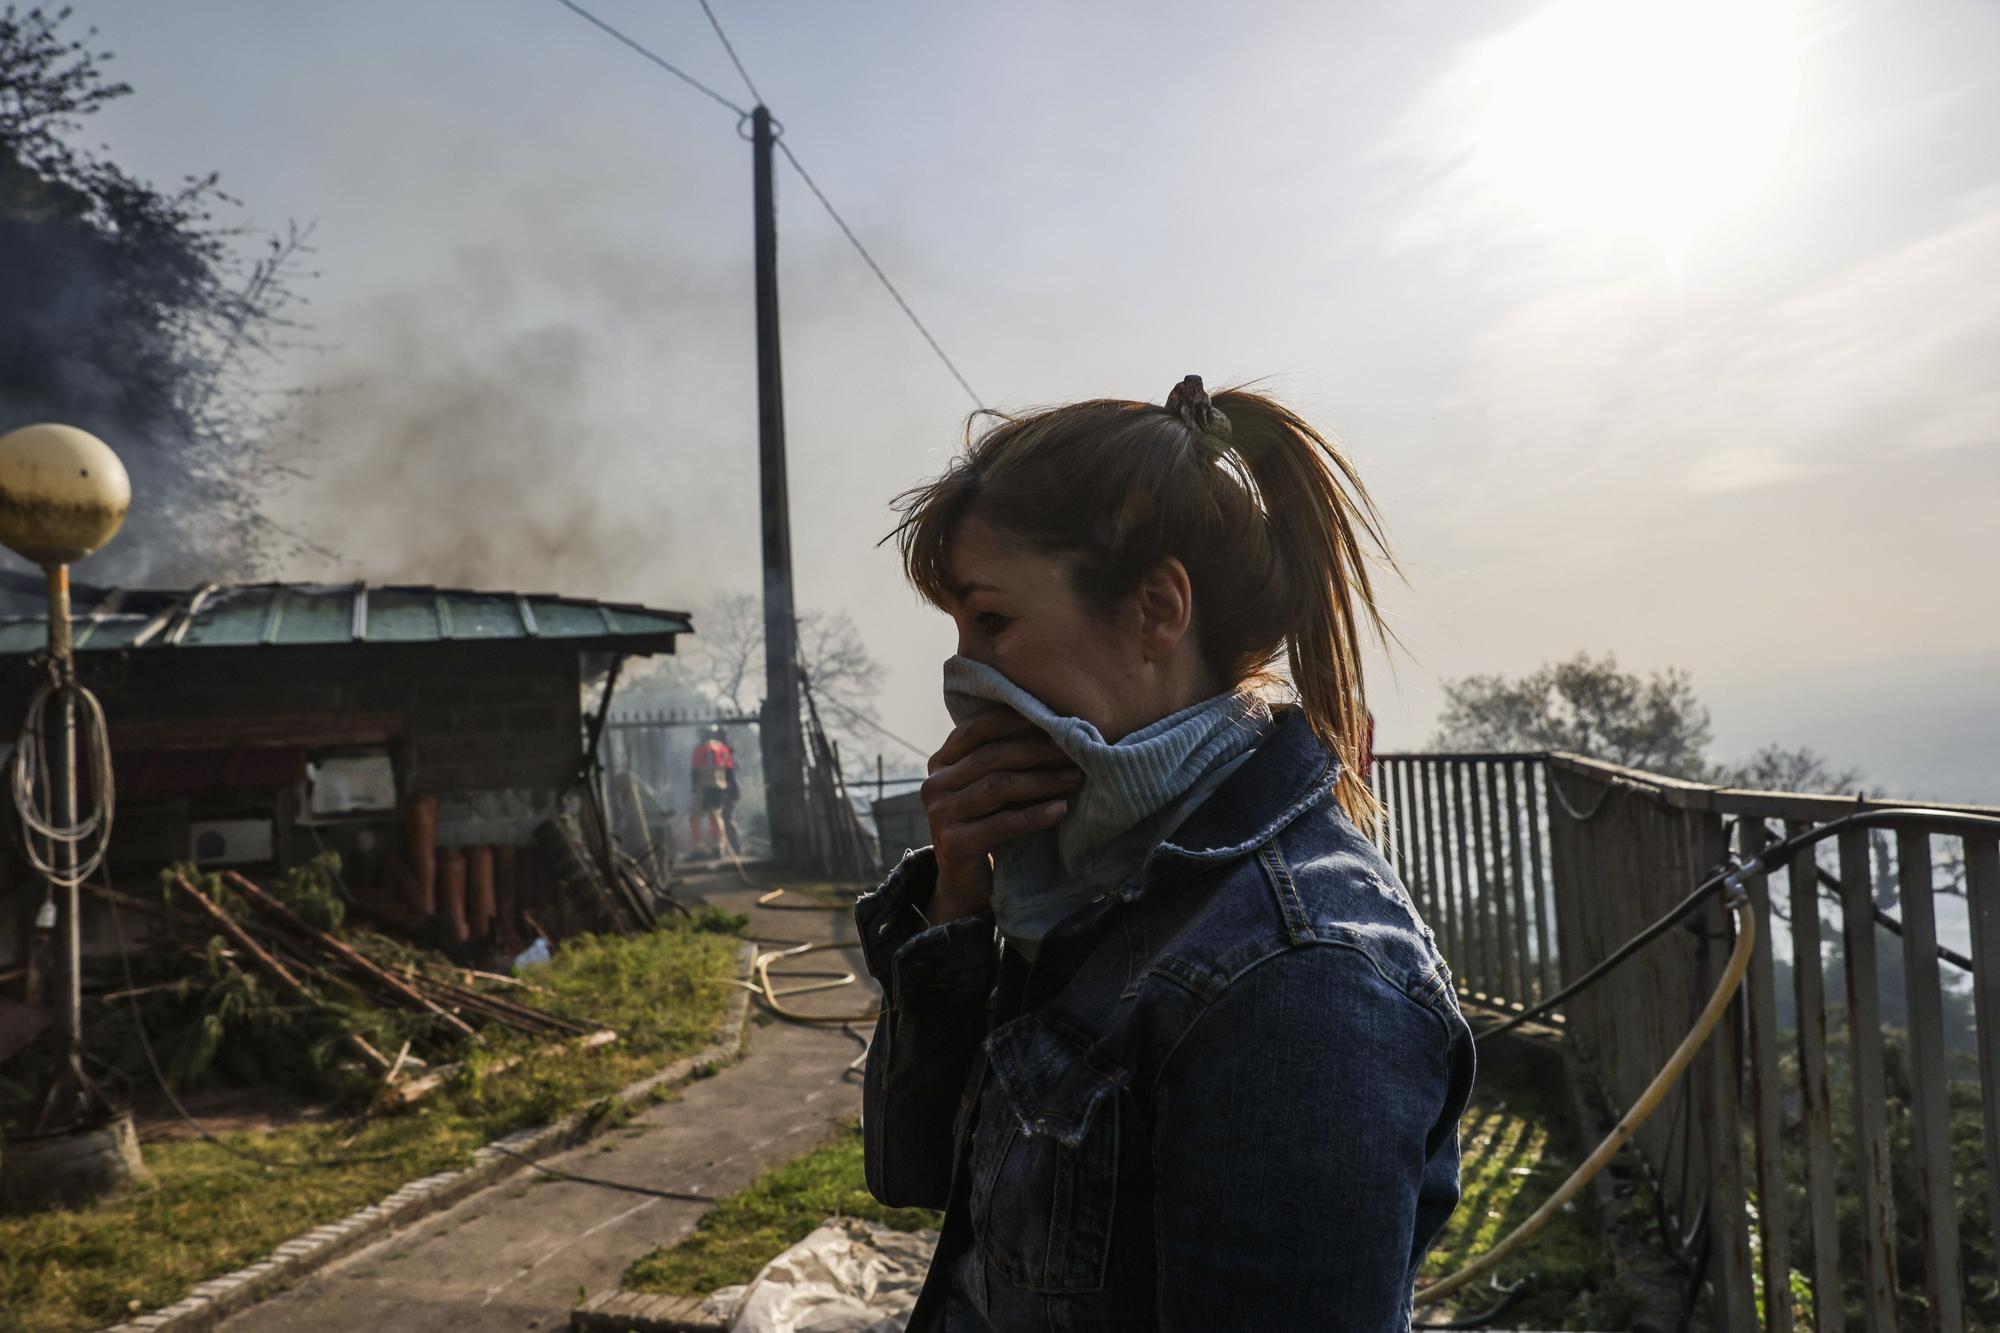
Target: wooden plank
1728	1219
1441	871
1544	890
1870	1101
1473	937
1799	805
1767	1097
1413	808
1930	1086
291	729
1506	983
1486	874
1815	1087
1404	814
1392	818
1982	883
1789	806
1378	827
1518	886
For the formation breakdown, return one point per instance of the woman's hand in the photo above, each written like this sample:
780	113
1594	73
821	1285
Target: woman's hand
996	777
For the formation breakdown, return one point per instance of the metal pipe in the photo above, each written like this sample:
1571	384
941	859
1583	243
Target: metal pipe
63	759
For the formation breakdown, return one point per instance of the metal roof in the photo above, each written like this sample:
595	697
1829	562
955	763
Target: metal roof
283	614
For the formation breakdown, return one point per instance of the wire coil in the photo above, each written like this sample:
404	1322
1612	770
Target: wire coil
88	836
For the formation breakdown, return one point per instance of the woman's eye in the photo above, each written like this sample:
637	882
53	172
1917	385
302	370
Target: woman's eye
992	622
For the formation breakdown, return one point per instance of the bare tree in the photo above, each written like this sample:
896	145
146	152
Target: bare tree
725	657
1775	768
1586	705
725	660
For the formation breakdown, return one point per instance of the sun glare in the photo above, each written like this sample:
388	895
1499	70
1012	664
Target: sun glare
1643	116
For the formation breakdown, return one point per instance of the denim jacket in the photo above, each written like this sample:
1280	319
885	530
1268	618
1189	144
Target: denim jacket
1225	1096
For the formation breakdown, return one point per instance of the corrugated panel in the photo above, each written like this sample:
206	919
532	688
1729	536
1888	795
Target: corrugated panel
227	618
306	613
400	615
317	614
640	620
476	616
23	636
569	620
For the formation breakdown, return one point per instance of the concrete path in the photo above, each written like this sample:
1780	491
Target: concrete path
518	1255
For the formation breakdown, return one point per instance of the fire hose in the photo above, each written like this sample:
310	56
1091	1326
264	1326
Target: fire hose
1733	882
1628	1124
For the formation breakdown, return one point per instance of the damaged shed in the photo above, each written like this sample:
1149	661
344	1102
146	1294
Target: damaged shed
257	726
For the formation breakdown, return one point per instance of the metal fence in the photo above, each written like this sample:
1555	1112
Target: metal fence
649	790
1833	1158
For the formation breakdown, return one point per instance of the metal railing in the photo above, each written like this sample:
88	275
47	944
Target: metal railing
1833	1158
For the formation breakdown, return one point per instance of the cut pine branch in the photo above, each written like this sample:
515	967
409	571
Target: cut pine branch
276	970
349	955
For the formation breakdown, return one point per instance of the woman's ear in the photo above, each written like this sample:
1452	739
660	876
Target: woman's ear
1166	609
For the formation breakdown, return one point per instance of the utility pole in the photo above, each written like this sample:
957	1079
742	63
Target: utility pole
779	736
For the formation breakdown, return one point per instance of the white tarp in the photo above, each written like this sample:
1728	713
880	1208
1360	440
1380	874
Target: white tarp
849	1276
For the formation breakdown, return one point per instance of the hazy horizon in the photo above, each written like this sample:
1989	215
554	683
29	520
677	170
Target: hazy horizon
1666	330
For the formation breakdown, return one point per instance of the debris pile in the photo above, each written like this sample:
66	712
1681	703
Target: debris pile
269	966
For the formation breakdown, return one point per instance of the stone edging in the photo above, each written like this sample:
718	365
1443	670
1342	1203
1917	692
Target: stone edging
218	1298
637	1312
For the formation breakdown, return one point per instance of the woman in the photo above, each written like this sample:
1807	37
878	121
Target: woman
1161	1034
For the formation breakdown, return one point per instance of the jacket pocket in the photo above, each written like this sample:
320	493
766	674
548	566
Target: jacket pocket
1045	1159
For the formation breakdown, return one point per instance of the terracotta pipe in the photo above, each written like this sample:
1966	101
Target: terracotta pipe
420	842
479	903
503	892
451	893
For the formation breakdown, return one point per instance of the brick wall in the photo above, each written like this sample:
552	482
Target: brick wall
469	717
461	718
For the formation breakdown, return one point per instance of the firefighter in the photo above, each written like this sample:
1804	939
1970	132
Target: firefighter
713	771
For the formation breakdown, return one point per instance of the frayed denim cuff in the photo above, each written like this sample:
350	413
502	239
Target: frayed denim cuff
906	953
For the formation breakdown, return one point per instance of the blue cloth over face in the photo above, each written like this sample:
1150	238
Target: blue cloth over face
1135	792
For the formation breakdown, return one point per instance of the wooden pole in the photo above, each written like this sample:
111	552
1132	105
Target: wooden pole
783	747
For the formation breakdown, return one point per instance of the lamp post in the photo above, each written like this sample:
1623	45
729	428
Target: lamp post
63	495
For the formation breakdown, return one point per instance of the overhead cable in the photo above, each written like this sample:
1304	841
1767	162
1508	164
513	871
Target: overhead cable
856	715
716	24
869	259
841	222
675	70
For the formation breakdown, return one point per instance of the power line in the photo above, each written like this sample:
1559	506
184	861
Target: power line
840	221
856	715
790	157
675	70
869	259
716	24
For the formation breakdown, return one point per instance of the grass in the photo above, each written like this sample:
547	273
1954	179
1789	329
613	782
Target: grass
1516	1146
209	1211
745	1231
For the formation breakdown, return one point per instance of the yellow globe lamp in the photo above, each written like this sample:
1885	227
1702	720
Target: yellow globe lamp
63	493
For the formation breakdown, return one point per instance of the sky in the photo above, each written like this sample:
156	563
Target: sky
1658	328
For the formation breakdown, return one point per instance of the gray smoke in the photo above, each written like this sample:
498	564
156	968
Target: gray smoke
536	419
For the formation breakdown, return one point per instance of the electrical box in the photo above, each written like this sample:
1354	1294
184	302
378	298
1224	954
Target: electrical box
230	842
